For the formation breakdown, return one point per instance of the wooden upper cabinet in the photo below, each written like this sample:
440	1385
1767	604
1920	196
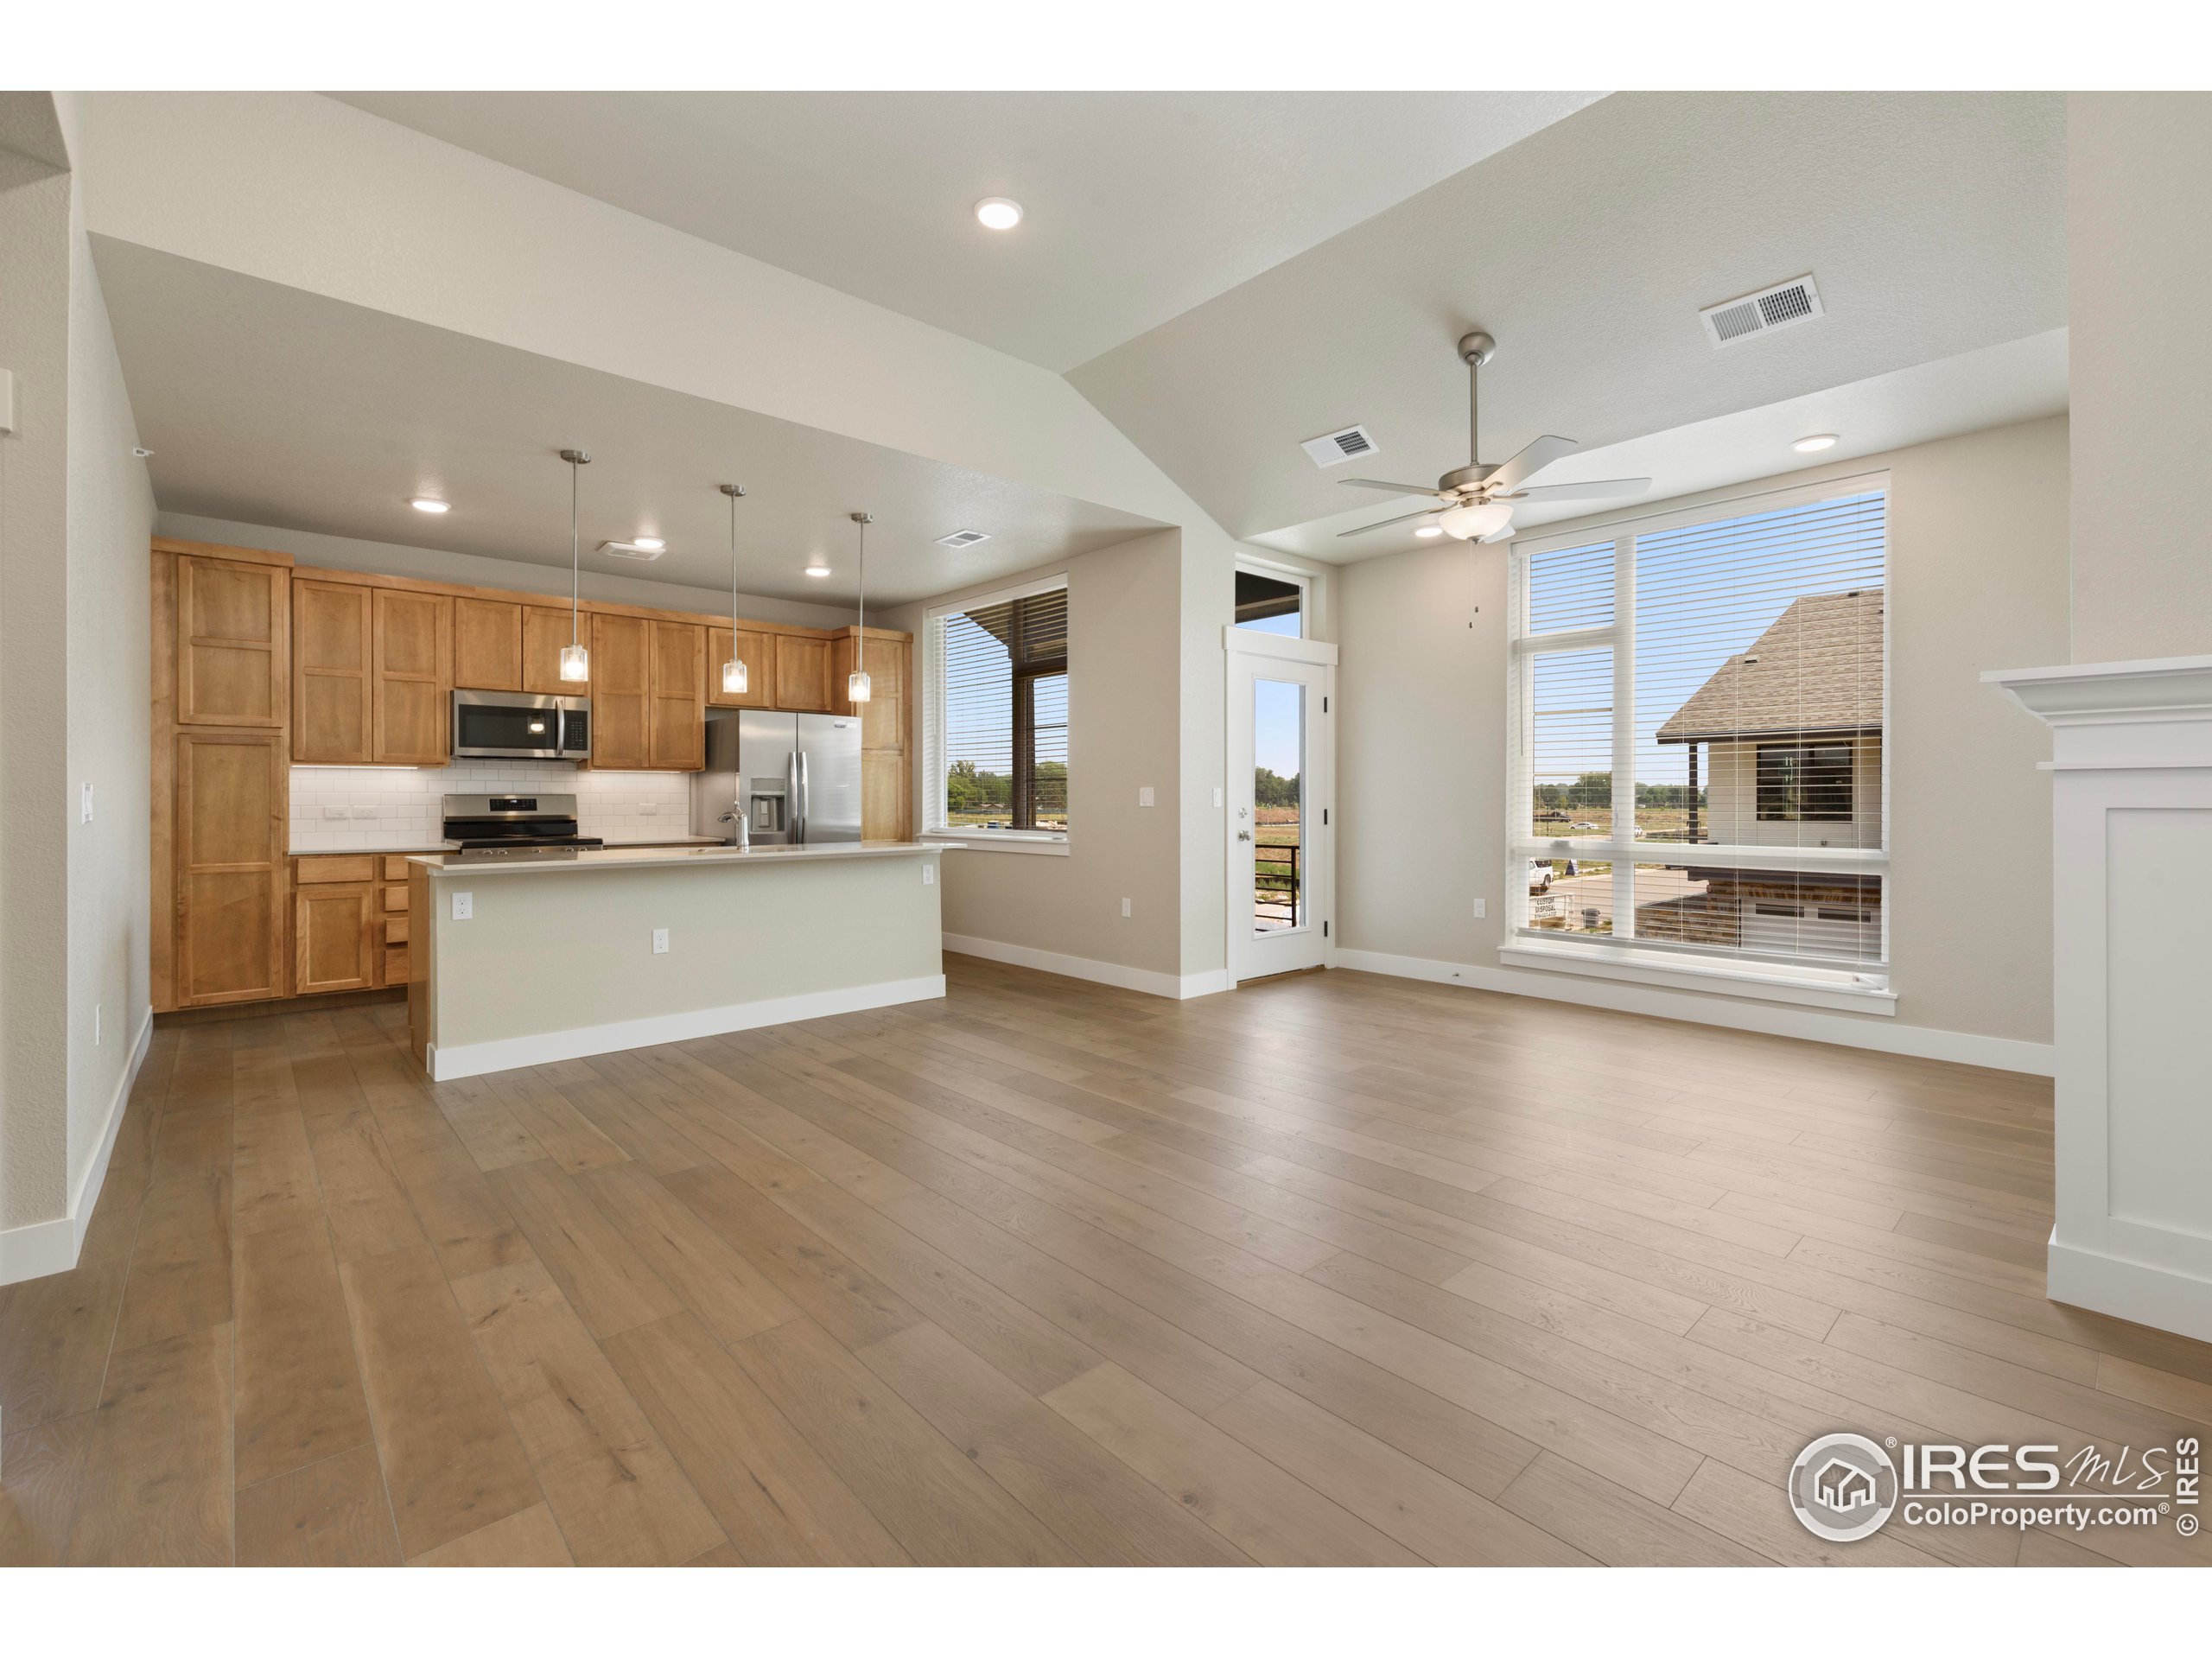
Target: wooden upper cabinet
545	632
756	650
231	820
232	646
675	738
487	645
622	692
331	666
883	716
803	674
411	692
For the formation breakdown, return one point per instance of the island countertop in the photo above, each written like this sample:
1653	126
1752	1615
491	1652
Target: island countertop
632	858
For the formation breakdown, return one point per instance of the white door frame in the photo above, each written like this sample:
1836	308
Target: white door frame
1259	648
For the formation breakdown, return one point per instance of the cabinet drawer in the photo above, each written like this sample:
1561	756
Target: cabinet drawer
394	900
394	964
395	866
351	867
395	929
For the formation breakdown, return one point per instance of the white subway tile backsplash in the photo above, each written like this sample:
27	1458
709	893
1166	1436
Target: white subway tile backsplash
410	804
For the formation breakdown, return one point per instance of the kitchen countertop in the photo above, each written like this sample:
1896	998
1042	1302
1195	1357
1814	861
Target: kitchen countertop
396	845
634	858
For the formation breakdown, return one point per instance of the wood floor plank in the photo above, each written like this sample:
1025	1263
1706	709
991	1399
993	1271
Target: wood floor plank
1756	1513
731	1296
180	1278
1275	1518
327	1514
451	1460
1107	1512
1614	1525
599	1273
156	1487
56	1332
42	1470
299	1389
531	1538
781	1505
942	1509
619	1495
367	1208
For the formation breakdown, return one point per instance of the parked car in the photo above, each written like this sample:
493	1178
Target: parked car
1540	874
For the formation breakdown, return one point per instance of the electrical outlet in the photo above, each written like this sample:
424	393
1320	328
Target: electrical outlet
660	941
333	812
1125	907
649	809
929	874
1217	798
365	811
84	805
464	906
1481	908
1144	795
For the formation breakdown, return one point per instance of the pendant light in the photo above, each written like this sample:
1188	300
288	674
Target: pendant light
575	661
856	683
734	680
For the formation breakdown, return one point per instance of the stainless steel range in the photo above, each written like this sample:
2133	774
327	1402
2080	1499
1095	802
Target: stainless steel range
516	826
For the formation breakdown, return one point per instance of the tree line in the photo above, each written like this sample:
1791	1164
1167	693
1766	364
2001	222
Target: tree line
1596	789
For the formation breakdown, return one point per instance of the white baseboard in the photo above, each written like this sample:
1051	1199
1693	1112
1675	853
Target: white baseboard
504	1054
1886	1036
2163	1298
43	1247
1146	980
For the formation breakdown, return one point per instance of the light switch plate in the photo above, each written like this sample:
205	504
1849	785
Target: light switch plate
464	906
1125	907
1481	908
1217	798
333	812
1144	795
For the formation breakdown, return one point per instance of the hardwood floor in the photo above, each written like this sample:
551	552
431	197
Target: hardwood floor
1336	1270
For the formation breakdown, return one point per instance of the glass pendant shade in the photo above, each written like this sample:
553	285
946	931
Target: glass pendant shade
856	688
576	663
733	676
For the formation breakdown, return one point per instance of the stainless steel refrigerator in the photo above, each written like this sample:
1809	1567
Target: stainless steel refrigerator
797	776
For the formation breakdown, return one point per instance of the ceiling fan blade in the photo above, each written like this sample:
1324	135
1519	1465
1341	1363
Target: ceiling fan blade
1530	461
1598	489
1399	489
1381	523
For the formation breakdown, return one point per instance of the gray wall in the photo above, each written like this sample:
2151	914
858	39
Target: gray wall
1979	580
2140	247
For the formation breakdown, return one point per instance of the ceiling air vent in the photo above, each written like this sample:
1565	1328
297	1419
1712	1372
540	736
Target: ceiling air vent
1733	321
963	538
1335	448
630	550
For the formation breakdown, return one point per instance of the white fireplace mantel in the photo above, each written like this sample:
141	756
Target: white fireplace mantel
2132	933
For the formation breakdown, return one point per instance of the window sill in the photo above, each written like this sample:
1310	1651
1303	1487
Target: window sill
999	841
1599	962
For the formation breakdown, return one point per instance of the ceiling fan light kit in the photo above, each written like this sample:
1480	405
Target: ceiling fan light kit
1475	501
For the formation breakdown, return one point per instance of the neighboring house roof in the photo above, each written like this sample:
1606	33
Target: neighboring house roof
1818	668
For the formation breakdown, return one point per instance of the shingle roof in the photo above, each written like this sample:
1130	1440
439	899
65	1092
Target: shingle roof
1818	668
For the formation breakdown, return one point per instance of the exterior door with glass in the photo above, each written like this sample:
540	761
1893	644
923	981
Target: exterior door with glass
1280	807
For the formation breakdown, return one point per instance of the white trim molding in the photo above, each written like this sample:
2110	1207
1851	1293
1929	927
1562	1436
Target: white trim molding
1702	1007
505	1053
1149	980
39	1247
2132	864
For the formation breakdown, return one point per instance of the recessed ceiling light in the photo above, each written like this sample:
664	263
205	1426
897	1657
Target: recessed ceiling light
818	568
1430	530
998	212
1817	442
650	544
430	504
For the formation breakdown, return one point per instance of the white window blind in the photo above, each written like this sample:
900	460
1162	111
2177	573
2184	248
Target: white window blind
1699	715
998	700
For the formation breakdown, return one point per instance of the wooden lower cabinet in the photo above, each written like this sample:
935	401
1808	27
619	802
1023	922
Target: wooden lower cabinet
333	946
231	820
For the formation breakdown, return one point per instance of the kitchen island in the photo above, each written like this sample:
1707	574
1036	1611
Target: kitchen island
523	961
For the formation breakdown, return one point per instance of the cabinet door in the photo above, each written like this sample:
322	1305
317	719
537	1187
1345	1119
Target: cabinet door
883	716
802	673
233	649
487	645
677	738
544	632
758	655
886	796
412	701
230	830
330	674
622	692
332	949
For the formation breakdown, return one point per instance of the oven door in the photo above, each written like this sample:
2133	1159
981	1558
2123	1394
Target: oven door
507	725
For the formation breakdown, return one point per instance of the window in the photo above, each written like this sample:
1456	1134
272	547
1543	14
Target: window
1698	721
1271	601
997	694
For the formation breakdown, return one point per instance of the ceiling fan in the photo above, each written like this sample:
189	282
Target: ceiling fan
1476	502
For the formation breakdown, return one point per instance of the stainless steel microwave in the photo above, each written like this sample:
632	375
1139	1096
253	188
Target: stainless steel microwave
518	726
